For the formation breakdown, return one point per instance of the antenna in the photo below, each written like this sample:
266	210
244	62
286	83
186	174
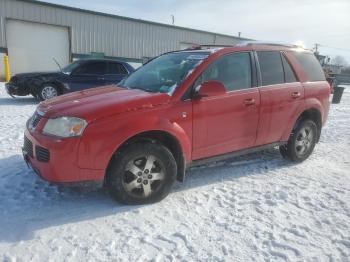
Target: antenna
172	19
59	66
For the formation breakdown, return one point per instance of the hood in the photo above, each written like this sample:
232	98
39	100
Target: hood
100	102
36	74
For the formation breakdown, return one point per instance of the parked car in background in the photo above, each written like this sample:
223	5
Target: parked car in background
79	75
181	109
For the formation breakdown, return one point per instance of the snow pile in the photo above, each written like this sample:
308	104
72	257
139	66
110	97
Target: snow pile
257	207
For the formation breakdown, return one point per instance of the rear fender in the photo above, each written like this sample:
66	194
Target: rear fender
310	103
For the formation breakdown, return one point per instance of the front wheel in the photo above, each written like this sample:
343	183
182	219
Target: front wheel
47	91
301	142
141	173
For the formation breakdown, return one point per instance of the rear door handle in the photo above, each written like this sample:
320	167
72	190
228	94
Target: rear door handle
249	102
295	94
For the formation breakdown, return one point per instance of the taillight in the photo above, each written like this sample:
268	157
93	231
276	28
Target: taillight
331	87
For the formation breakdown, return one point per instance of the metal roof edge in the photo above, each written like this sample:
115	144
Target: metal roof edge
128	18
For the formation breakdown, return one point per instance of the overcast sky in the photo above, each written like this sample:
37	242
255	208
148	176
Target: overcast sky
326	22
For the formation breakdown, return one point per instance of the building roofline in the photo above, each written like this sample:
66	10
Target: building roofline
128	18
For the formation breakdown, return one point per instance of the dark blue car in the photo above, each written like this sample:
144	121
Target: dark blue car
79	75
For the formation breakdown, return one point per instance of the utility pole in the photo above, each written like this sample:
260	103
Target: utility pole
316	48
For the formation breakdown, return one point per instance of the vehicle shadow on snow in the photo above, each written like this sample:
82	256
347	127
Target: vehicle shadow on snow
18	101
30	204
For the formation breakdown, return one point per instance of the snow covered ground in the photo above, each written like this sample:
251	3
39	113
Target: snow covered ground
258	207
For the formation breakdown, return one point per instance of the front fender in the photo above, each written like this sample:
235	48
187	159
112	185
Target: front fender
103	138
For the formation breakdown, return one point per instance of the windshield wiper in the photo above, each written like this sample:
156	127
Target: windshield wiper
143	89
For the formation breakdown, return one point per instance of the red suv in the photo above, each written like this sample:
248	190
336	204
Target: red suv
180	109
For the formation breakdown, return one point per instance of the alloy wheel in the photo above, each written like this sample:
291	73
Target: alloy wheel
48	92
143	176
304	141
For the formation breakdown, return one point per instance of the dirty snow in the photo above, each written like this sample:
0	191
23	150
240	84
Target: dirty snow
258	207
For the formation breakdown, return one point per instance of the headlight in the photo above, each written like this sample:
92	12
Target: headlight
65	126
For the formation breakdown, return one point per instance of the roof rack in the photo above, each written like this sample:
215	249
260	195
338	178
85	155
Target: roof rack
214	45
245	43
199	47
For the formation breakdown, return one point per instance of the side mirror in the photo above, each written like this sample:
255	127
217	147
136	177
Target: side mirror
210	88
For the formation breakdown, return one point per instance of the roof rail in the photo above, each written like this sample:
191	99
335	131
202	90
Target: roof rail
245	43
214	45
199	47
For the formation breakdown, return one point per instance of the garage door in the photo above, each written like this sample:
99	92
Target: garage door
32	46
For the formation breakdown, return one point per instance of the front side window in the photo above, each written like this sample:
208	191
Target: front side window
233	70
92	68
271	67
164	73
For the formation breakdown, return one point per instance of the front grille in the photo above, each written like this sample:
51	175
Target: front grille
34	121
42	154
28	146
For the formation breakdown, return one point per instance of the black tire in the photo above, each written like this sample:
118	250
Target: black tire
120	178
47	86
300	145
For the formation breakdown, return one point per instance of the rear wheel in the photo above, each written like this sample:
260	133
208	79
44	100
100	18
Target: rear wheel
301	142
48	91
141	173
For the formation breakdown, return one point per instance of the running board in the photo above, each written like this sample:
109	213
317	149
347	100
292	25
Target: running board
222	157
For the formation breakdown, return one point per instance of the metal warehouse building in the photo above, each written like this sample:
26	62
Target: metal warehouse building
32	33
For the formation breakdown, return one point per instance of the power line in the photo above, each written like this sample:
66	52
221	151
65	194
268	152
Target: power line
337	48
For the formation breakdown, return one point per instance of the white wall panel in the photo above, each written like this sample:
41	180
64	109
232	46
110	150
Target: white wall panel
32	46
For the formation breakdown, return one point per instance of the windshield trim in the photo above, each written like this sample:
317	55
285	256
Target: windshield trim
75	63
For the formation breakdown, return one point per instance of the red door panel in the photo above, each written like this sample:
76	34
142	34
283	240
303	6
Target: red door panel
279	105
225	123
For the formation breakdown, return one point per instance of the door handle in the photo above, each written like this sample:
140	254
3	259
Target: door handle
249	102
295	94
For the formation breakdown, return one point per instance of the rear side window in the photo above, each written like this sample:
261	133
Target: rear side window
92	68
116	69
271	67
311	66
289	75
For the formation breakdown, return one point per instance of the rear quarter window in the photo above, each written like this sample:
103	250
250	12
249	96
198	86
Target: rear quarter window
311	66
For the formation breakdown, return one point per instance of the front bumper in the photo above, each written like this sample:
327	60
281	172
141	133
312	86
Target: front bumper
62	165
15	90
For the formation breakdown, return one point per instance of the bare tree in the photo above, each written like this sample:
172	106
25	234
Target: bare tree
339	61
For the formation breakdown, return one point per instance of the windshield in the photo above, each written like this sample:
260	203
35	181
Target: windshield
165	73
70	68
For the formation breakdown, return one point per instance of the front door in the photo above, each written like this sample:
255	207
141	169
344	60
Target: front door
89	74
227	122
